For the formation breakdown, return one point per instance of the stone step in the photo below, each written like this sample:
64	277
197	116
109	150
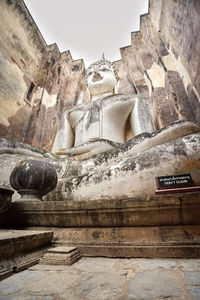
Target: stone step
148	211
61	256
181	241
20	249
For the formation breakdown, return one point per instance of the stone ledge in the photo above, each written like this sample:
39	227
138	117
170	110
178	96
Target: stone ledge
156	241
20	263
152	211
15	242
143	251
20	249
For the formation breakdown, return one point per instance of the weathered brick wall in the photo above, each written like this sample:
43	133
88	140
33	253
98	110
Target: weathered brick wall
163	60
21	51
37	82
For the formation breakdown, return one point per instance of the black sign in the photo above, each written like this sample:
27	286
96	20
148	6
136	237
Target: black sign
174	181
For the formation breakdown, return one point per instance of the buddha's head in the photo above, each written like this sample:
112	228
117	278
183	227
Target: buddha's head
101	78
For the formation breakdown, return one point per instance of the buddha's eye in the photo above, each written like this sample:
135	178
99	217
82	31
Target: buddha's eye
89	73
104	69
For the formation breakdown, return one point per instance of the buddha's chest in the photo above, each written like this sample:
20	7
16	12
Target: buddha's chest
99	122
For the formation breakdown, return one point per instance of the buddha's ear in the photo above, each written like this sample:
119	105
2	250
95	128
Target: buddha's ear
87	91
117	86
88	96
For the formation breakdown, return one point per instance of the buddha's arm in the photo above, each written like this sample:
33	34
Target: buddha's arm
140	118
134	119
65	135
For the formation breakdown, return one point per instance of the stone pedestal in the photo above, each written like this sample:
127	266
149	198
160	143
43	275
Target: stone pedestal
61	256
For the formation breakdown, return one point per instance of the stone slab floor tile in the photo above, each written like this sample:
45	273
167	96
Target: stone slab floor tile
195	291
159	284
192	278
55	283
101	264
151	264
100	286
25	297
190	264
126	267
193	282
50	268
16	282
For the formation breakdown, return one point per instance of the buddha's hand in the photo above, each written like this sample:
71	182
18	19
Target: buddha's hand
86	150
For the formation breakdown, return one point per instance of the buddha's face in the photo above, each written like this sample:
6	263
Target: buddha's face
101	79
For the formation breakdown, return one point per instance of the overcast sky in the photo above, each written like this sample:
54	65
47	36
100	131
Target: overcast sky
88	27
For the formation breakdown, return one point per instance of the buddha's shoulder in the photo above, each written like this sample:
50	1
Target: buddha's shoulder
120	98
104	101
79	107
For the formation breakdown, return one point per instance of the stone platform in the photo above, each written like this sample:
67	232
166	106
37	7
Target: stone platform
61	256
159	226
21	248
167	210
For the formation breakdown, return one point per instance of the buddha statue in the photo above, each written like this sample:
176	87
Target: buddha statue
113	151
108	148
104	122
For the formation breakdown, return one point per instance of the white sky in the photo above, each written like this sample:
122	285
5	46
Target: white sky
88	27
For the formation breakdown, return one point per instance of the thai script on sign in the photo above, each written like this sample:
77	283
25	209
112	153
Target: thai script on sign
175	181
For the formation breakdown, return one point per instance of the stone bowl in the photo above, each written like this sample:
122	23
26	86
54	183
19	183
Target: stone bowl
33	179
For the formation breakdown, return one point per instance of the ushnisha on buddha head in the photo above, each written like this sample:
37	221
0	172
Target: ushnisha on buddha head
102	78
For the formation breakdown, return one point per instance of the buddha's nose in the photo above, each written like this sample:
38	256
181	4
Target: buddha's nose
96	77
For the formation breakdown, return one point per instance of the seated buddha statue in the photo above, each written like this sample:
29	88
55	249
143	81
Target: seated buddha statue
113	151
107	120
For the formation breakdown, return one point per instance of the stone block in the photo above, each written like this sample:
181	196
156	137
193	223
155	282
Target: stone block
20	249
178	97
14	242
195	103
61	256
163	109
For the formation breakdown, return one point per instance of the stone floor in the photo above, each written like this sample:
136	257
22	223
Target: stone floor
107	279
